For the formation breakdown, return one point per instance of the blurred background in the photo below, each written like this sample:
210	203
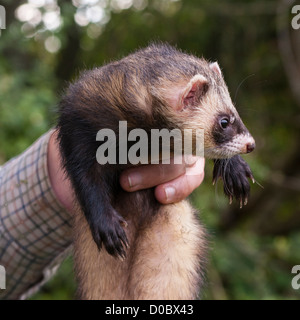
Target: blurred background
47	43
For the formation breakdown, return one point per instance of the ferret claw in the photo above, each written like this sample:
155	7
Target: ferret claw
121	257
112	236
230	199
241	204
124	224
245	201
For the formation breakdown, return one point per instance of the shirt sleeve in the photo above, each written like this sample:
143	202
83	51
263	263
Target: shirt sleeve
35	230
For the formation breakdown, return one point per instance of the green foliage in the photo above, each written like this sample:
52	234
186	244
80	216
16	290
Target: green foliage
253	249
61	287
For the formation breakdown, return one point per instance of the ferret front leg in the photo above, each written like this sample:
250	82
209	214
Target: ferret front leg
235	173
93	185
105	222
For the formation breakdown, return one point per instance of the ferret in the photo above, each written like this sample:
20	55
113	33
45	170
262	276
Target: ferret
163	248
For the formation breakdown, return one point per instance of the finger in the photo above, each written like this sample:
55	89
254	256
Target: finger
148	176
181	187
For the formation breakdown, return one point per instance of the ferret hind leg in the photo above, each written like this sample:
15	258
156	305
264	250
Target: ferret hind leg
169	256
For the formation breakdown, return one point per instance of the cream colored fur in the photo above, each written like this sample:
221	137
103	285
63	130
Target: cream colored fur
164	261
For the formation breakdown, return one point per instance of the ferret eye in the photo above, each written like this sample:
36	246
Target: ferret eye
224	123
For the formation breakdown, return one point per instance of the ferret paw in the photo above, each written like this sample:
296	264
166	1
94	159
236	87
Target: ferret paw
235	173
108	230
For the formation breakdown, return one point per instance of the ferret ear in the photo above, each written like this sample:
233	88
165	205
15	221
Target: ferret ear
194	90
216	68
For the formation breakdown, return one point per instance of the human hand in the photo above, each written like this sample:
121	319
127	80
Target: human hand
172	182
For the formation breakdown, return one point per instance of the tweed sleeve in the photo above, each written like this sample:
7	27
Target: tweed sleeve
35	230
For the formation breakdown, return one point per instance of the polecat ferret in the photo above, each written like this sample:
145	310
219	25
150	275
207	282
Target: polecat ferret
163	247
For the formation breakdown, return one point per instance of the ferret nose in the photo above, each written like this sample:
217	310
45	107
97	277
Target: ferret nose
250	146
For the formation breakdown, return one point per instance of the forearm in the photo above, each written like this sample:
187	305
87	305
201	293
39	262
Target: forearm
34	226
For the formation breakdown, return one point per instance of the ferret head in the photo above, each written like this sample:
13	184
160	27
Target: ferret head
203	102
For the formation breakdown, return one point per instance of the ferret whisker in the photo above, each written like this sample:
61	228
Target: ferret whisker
239	86
259	184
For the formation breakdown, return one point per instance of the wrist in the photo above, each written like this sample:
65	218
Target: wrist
60	183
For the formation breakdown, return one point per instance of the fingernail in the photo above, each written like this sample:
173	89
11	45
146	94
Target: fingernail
129	181
190	160
170	193
134	179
